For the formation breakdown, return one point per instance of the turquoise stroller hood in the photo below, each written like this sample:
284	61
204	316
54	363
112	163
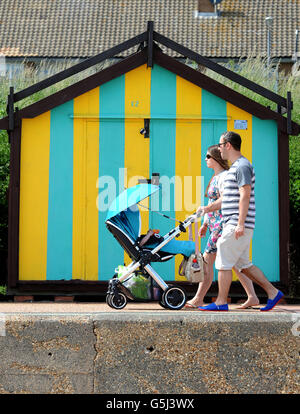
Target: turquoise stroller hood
125	215
129	198
124	212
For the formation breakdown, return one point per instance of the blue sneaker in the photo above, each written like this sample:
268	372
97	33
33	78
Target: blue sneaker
272	302
214	307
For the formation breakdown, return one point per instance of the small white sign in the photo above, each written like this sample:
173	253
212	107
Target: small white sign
240	124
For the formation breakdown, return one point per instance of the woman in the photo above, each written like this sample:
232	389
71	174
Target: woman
214	222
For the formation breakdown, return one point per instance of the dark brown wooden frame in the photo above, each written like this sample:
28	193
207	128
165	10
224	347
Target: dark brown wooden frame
147	55
13	207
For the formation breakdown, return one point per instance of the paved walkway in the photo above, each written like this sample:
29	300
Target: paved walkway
94	307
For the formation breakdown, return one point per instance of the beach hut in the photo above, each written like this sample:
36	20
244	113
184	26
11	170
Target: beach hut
147	117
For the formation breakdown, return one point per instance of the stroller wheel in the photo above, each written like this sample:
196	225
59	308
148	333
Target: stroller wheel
174	298
163	304
118	301
108	299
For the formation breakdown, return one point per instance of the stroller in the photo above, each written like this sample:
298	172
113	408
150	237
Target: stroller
124	222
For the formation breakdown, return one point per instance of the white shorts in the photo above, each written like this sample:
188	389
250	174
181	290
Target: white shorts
232	252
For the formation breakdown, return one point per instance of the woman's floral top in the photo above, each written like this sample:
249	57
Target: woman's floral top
214	219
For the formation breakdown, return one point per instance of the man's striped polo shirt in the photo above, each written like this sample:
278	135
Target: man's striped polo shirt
240	173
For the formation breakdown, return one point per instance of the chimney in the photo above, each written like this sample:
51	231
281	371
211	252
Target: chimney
208	8
205	6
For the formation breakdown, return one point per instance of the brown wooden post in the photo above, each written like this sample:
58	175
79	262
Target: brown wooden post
13	206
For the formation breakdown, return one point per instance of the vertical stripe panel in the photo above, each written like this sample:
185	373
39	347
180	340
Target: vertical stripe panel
188	155
136	156
86	166
92	170
111	163
214	123
213	110
34	184
79	188
265	249
60	211
162	154
234	113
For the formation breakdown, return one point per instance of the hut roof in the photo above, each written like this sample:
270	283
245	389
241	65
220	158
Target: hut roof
84	28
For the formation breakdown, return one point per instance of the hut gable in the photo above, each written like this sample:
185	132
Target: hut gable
170	64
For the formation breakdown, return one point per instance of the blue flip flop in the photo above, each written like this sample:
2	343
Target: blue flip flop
272	302
213	307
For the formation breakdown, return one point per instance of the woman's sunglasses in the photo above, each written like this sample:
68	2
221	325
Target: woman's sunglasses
208	156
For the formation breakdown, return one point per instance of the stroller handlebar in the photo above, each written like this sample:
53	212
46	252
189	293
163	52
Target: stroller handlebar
187	222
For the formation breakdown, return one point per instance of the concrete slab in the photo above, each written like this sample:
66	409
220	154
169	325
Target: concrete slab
89	348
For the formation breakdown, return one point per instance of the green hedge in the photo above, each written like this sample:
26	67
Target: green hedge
294	190
4	179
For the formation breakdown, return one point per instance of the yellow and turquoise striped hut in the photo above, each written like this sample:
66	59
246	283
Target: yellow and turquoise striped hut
75	149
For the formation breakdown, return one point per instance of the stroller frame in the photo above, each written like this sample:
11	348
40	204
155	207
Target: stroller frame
173	297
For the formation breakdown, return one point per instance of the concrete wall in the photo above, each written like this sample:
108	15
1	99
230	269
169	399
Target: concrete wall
140	353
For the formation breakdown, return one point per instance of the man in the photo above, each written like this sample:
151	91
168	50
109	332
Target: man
238	209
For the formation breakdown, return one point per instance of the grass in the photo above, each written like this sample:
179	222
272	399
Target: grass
32	75
253	68
257	70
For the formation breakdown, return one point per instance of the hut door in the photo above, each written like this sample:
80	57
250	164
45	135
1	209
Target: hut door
85	212
162	161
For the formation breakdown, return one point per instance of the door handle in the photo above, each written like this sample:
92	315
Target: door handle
146	130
